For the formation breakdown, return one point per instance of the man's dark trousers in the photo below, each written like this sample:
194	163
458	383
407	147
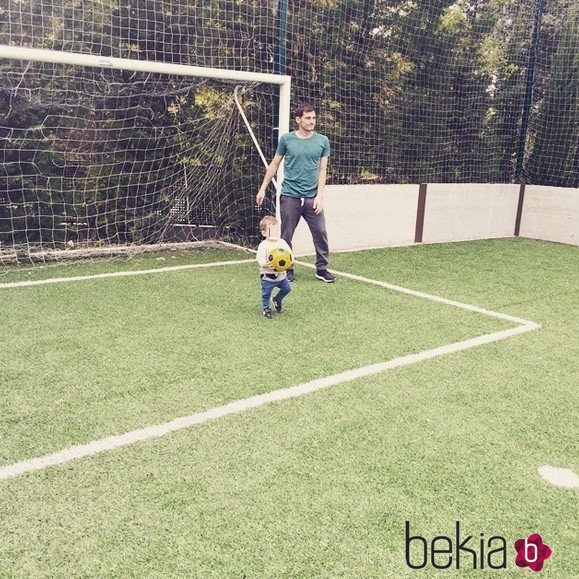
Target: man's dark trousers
291	209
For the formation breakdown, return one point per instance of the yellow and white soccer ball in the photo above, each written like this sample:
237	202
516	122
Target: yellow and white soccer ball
280	259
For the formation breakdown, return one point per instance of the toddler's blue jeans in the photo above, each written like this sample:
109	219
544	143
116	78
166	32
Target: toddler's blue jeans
267	287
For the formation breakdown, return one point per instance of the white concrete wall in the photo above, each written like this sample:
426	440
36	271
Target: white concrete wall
363	216
462	211
551	213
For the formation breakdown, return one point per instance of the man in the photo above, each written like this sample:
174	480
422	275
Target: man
306	156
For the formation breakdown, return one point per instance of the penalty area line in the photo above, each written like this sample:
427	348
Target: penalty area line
80	451
122	273
144	434
431	297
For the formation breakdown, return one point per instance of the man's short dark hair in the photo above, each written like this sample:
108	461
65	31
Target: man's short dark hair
304	108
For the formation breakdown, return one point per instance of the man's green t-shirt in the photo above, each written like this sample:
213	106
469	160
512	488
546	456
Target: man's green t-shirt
302	163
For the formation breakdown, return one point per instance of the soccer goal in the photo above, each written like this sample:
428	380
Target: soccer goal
109	154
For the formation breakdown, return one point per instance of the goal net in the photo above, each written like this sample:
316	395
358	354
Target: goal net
408	91
103	157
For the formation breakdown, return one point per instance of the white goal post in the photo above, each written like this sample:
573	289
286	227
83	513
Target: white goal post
90	60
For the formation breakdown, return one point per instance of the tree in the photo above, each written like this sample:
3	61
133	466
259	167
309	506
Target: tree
554	158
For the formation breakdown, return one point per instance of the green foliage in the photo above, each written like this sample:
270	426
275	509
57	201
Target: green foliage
407	91
555	154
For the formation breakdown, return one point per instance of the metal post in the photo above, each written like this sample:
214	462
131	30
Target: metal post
59	57
280	62
282	36
528	92
283	100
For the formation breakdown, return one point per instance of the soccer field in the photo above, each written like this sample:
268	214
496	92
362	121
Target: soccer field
428	384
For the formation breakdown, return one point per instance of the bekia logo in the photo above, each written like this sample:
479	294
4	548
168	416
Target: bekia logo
532	552
461	551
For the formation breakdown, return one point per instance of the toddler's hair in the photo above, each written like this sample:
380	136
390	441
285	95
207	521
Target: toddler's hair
267	222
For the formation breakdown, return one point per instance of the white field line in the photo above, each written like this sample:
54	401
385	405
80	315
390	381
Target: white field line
560	477
16	284
113	442
239	406
433	298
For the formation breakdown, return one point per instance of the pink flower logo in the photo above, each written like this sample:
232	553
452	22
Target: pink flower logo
532	552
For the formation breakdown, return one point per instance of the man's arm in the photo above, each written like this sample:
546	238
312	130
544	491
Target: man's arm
269	175
319	200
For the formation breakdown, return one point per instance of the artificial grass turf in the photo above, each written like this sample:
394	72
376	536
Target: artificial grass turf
202	254
322	485
98	357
